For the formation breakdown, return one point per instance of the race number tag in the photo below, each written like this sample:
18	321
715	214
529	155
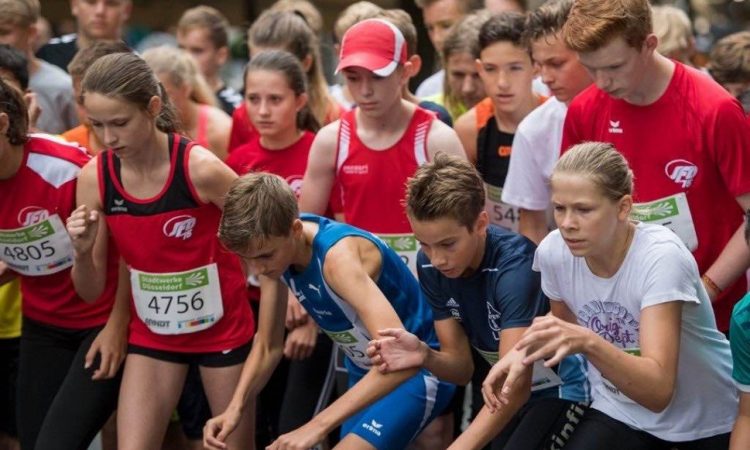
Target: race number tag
541	377
673	212
180	302
406	247
500	213
40	249
354	344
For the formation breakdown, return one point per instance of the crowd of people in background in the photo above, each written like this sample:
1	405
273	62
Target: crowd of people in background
545	245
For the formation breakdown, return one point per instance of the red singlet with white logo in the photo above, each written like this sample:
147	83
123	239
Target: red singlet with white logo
174	232
34	205
692	143
373	182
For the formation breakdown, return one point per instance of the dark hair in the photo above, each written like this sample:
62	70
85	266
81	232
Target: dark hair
12	104
288	65
85	57
127	76
504	27
547	19
448	187
15	62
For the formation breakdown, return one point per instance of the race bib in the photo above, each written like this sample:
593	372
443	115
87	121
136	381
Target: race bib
541	377
354	344
500	213
673	212
40	249
406	247
180	302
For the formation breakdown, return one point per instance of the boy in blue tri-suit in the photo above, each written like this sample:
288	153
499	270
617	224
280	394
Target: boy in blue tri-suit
478	280
352	284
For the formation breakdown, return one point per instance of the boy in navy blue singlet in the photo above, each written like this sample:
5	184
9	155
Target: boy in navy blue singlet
478	279
352	284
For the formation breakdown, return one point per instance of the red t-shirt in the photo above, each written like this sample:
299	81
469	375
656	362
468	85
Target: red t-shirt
43	193
373	182
170	233
693	140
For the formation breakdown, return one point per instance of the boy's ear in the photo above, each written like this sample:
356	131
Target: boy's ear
222	55
478	65
416	64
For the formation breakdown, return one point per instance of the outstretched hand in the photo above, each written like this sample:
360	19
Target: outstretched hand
395	350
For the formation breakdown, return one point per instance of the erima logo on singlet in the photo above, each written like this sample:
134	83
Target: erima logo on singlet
31	215
614	127
681	172
356	169
180	227
118	205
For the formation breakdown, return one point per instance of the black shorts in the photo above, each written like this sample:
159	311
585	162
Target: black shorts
597	428
212	359
8	376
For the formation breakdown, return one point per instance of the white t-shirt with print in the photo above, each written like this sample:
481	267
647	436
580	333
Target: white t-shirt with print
536	149
658	268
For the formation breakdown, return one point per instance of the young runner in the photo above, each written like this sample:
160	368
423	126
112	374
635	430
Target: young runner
204	33
352	284
478	280
207	125
536	145
288	31
189	300
374	148
729	64
686	138
487	130
629	297
276	91
462	87
70	352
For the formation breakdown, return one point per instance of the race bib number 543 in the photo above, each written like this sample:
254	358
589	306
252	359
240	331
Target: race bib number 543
180	302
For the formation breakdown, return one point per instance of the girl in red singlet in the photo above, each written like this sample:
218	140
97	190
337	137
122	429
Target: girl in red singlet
160	197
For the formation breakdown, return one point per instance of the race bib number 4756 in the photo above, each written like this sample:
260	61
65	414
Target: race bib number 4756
180	302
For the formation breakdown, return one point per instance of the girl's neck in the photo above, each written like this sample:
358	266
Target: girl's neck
11	157
154	153
610	259
282	140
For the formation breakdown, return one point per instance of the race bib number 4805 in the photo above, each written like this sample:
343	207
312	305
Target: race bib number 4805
43	248
180	302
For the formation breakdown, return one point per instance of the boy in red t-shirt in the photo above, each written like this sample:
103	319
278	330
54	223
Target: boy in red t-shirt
685	138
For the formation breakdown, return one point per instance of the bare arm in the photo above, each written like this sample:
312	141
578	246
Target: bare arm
734	260
442	138
321	171
397	349
88	232
488	424
264	357
349	269
466	130
211	177
648	379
